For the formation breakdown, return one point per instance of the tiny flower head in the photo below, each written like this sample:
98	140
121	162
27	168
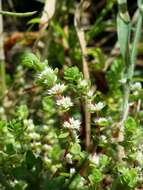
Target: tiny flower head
102	121
136	86
64	103
57	89
96	107
47	76
72	124
83	84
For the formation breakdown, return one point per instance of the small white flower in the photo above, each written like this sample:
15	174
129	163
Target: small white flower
69	158
131	103
136	86
54	169
82	181
36	147
64	102
37	144
34	136
72	124
46	160
45	81
96	107
76	137
102	121
139	156
46	147
45	128
90	93
46	71
1	110
57	89
83	83
37	151
77	140
30	125
72	170
103	138
123	80
94	158
136	93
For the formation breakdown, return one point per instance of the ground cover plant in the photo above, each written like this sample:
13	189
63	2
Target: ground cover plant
71	95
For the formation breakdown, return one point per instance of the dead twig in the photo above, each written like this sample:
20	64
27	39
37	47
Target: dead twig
81	37
47	15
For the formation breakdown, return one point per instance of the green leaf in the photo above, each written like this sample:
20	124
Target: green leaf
130	126
128	177
55	183
104	160
34	21
30	60
76	182
75	148
72	74
63	135
10	148
20	173
96	176
22	112
30	159
123	31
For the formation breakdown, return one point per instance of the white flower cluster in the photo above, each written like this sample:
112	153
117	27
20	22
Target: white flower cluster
96	107
102	121
90	93
48	74
64	102
103	138
76	137
95	158
83	83
123	80
139	157
136	86
68	158
72	124
45	72
35	138
57	89
2	113
72	170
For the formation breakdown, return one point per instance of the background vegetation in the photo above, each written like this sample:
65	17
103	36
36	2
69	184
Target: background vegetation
71	95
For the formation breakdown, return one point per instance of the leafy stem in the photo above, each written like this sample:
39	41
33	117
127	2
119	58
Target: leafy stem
130	69
7	13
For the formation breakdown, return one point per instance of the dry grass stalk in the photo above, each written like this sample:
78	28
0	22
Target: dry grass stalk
82	41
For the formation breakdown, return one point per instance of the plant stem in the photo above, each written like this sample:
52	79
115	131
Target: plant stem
82	42
7	13
3	76
130	71
2	57
130	65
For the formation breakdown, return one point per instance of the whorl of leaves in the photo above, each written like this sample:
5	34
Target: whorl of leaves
30	61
